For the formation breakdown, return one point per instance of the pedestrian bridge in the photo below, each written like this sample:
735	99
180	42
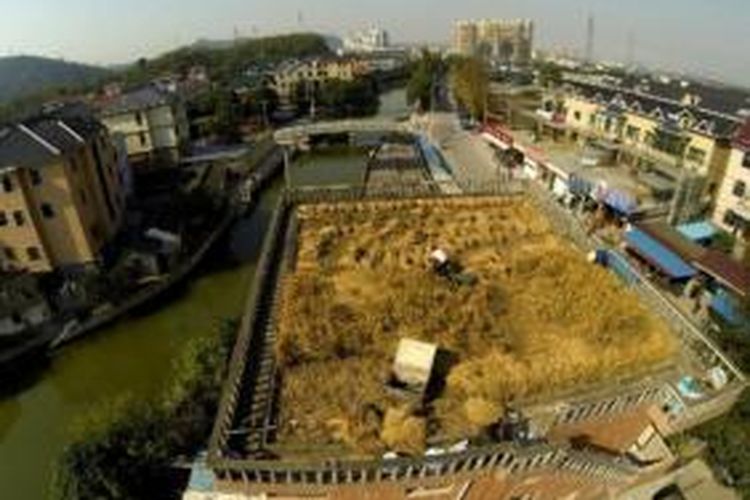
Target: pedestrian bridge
300	133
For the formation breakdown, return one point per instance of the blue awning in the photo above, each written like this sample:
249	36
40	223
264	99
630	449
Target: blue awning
698	231
620	201
658	255
580	186
728	307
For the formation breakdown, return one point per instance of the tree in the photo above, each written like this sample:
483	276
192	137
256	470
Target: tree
124	449
424	76
226	116
550	75
471	84
349	98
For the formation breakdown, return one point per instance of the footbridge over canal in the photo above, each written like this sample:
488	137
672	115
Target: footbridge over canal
299	135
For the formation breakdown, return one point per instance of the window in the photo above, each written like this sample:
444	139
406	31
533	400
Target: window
19	218
696	155
36	176
7	184
746	160
733	220
3	219
10	254
633	133
577	116
142	138
139	119
47	211
739	189
34	254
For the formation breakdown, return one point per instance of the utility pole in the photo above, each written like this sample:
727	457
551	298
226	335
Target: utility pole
630	54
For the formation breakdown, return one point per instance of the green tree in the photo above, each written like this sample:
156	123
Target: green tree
227	116
125	448
471	84
425	75
550	75
349	98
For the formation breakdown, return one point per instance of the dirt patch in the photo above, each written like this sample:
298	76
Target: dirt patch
540	319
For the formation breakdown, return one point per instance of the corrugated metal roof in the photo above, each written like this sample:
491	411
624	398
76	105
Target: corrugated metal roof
698	231
726	270
658	255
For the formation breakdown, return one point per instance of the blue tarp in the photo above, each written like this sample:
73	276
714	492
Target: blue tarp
658	255
726	306
580	186
620	201
698	231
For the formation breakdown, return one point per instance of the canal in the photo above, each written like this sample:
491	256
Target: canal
135	356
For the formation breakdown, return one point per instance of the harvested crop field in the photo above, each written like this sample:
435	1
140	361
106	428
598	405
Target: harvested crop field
539	319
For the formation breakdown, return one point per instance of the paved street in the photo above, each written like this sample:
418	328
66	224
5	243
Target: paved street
470	156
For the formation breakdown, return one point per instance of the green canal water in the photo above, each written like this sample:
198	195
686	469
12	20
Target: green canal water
135	356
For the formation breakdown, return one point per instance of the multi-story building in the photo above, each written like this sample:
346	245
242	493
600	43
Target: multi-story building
506	41
466	38
289	76
369	40
662	138
62	195
733	200
153	122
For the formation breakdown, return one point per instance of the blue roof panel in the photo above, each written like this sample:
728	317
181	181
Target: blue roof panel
660	256
698	231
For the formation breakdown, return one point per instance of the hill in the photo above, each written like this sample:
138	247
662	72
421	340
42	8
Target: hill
21	76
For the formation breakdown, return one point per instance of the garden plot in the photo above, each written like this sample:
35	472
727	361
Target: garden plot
539	319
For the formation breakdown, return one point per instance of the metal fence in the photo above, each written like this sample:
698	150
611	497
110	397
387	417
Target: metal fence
512	459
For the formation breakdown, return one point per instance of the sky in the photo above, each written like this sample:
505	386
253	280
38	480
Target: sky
706	37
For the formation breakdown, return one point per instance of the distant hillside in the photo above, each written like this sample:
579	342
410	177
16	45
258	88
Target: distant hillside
21	76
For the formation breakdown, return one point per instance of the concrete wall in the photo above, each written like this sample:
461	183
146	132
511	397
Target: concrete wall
85	196
160	128
19	239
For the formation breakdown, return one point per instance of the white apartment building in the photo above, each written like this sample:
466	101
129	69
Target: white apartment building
152	122
733	201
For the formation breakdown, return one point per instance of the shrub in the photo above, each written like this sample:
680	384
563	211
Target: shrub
124	448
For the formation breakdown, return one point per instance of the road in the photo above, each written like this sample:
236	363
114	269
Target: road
470	156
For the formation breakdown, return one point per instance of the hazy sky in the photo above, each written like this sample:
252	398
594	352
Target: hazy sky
706	36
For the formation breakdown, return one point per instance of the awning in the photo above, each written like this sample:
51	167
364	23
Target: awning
580	186
698	231
658	255
728	307
620	201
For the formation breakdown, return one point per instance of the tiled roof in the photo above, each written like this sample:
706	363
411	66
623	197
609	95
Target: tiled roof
144	98
706	121
37	141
